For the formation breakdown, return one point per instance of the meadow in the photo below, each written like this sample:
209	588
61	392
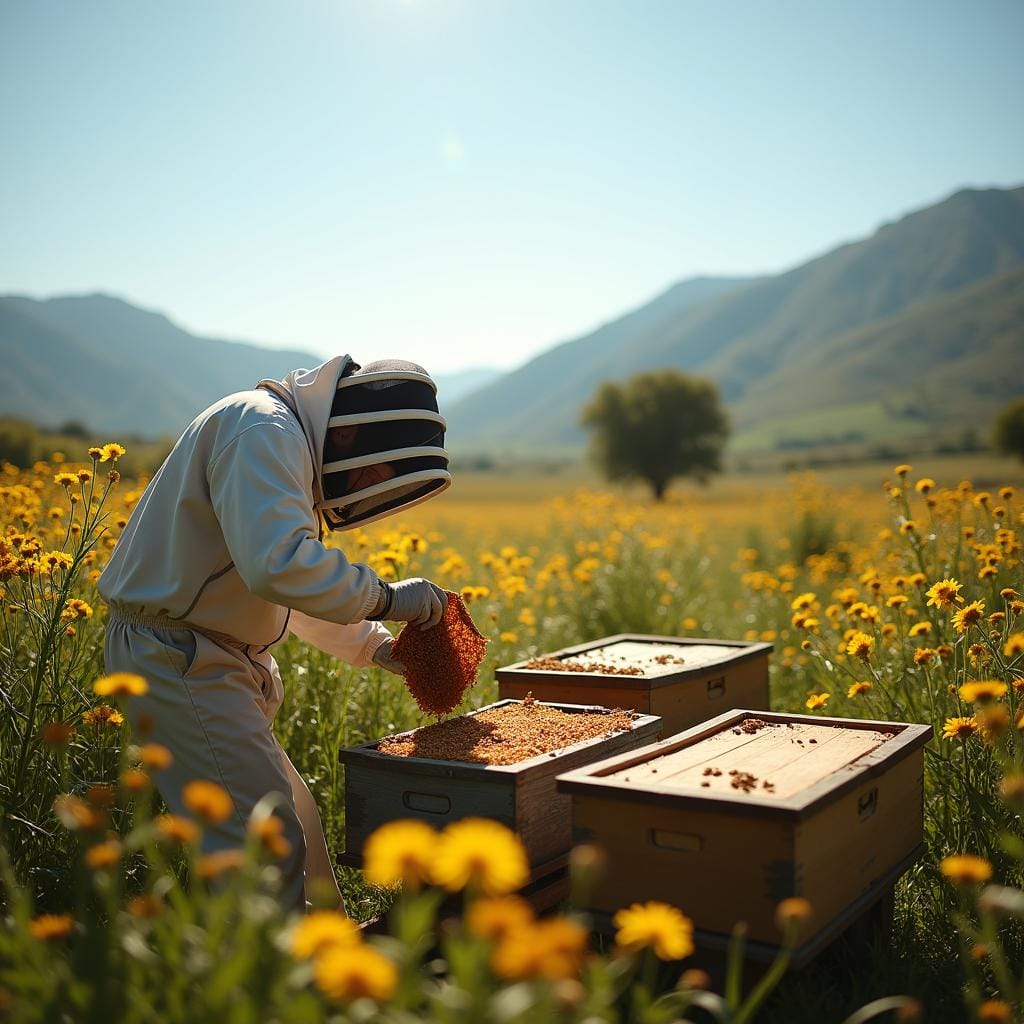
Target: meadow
889	592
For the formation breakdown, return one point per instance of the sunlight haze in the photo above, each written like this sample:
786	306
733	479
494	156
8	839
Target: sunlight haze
467	183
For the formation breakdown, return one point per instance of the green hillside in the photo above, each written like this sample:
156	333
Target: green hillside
117	368
507	412
760	341
957	359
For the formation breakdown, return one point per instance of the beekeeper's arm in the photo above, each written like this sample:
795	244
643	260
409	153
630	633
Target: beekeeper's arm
356	643
260	487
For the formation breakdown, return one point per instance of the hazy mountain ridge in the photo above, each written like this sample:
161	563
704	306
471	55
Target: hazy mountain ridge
924	319
116	367
756	338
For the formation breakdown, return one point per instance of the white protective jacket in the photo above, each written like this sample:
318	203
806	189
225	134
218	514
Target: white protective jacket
226	538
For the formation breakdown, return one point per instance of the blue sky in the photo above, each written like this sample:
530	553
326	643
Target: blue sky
466	182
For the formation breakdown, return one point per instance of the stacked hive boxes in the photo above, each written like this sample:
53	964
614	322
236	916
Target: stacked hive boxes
724	817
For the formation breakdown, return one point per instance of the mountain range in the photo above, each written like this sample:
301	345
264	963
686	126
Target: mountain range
915	330
917	327
102	362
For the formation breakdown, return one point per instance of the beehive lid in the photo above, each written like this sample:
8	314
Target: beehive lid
635	660
758	761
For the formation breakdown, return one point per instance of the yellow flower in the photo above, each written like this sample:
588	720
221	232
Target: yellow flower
496	917
553	949
322	930
95	453
400	851
966	868
103	855
982	691
896	600
908	526
50	927
903	469
76	609
860	645
356	972
65	479
656	926
968	616
120	684
959	728
270	833
155	756
175	829
207	800
103	714
508	637
924	485
74	813
816	701
1014	645
213	865
791	911
923	655
858	688
945	593
995	1011
112	451
803	602
57	734
993	721
145	906
480	853
920	629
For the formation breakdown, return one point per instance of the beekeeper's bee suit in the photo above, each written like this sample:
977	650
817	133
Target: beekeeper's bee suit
221	558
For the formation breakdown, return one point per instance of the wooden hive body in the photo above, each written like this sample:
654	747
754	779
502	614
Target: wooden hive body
712	676
844	819
380	788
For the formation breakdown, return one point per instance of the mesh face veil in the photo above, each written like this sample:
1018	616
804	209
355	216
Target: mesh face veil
384	423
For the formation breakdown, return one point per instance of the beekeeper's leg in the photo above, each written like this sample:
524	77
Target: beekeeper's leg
207	706
321	884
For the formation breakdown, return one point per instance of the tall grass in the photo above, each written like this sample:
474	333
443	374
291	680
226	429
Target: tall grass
805	566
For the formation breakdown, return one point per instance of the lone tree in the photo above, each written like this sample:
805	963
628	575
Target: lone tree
657	426
1008	433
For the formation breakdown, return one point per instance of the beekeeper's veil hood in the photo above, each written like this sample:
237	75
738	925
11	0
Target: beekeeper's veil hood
381	415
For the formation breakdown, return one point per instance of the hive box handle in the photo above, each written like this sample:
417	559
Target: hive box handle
688	842
429	803
867	804
716	688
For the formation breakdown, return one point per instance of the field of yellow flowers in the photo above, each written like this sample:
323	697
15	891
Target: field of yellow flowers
901	602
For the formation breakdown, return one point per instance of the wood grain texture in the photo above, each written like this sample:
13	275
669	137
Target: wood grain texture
719	870
849	814
803	801
558	691
693	700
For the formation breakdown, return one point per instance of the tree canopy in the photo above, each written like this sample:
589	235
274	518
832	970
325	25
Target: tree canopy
657	426
1009	429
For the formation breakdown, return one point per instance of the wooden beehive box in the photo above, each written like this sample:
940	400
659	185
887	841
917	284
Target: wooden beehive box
380	788
840	819
684	680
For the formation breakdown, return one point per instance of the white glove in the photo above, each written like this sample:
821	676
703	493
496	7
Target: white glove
413	600
382	657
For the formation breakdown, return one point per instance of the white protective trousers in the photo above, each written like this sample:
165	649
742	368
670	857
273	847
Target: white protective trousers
211	701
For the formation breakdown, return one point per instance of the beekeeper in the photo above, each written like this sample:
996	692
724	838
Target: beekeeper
222	558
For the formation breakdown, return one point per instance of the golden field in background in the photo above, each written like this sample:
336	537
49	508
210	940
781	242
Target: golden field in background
889	592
